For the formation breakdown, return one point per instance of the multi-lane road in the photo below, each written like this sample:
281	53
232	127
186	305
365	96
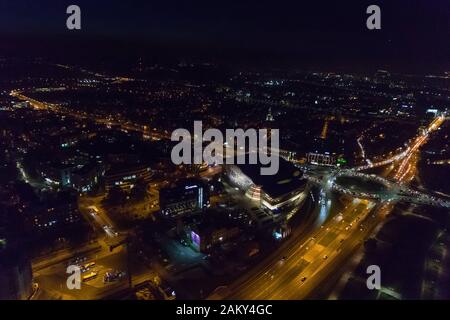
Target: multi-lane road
295	274
123	124
300	269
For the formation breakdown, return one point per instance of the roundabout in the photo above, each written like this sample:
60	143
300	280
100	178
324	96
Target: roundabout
363	186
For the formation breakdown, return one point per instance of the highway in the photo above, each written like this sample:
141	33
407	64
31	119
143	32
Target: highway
410	150
302	268
300	264
124	125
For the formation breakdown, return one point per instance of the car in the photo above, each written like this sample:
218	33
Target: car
303	279
325	257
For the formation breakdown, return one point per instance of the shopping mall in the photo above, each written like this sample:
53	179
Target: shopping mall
277	192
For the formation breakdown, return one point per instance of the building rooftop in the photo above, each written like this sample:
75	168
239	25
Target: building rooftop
288	178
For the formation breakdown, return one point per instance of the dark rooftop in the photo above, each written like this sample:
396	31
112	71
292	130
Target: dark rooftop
287	179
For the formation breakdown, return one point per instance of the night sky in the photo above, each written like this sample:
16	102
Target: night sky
414	37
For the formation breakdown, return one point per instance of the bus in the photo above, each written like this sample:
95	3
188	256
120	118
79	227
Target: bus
90	276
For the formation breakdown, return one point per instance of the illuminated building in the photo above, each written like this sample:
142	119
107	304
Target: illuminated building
126	178
22	104
85	178
55	211
275	192
204	240
188	196
72	139
322	159
76	173
57	174
215	229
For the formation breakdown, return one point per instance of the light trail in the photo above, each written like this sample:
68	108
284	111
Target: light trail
434	125
124	125
363	152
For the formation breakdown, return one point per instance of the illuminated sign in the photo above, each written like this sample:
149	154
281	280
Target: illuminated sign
195	239
200	198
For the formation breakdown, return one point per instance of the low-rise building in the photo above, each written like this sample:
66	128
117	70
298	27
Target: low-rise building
274	192
126	177
55	211
215	229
